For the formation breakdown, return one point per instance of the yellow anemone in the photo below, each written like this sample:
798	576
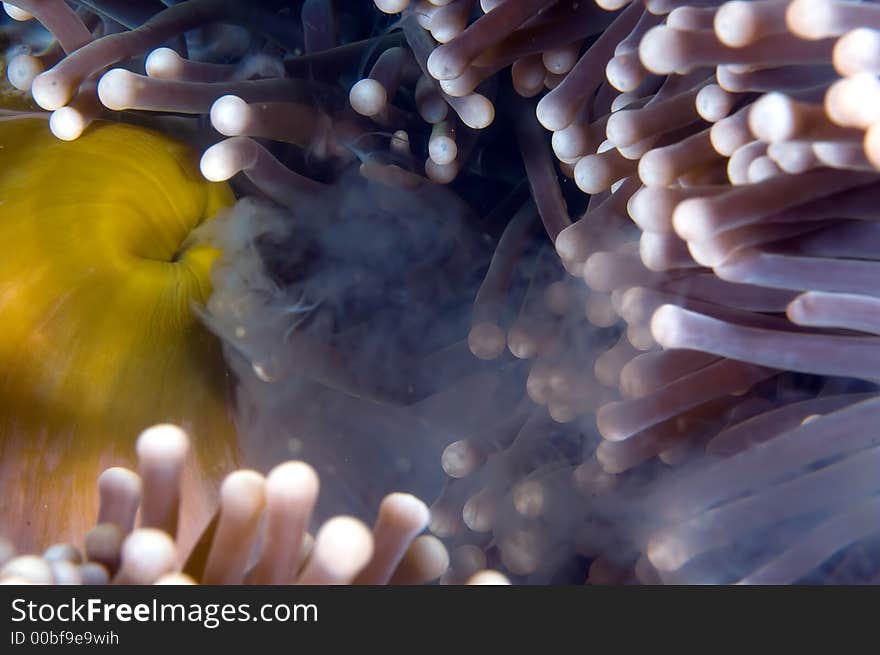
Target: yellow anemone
98	339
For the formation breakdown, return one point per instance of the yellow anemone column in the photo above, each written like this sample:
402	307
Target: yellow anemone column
98	338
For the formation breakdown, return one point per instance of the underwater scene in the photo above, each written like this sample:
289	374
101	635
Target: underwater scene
440	291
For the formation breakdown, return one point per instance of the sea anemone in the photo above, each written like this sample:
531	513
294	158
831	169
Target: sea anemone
665	383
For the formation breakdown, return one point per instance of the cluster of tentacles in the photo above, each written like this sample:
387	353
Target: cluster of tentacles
728	153
272	511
